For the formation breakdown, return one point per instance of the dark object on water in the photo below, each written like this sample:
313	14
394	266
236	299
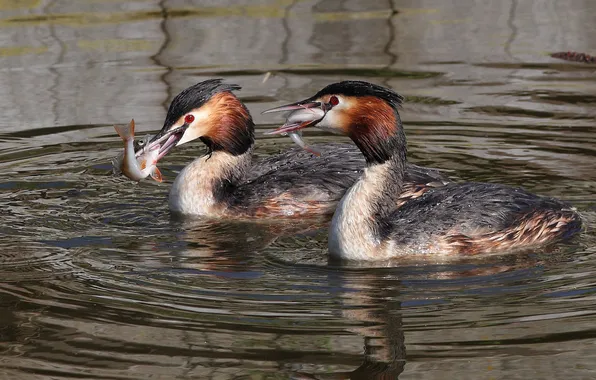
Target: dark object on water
574	56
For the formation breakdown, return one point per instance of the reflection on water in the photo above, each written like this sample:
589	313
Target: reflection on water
98	281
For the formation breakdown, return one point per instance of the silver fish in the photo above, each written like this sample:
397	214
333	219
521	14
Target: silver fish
297	138
140	165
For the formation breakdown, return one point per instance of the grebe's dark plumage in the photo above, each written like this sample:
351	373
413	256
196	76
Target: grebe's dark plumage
361	88
227	182
378	220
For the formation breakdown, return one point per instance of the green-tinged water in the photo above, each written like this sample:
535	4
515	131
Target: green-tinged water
98	281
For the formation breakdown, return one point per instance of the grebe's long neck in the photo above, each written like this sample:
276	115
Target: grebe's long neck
203	187
358	226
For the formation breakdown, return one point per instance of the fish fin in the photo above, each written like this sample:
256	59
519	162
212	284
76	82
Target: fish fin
156	174
143	165
297	138
126	132
312	151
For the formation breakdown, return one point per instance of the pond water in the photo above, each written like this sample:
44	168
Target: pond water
98	281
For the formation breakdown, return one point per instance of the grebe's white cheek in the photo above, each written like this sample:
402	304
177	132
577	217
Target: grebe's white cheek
192	133
198	128
332	122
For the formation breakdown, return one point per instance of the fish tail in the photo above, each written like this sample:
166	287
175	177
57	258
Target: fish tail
126	132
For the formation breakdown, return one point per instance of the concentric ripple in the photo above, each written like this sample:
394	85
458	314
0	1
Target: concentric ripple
99	281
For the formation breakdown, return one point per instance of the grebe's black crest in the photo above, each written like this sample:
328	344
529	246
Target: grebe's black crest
376	130
360	88
196	96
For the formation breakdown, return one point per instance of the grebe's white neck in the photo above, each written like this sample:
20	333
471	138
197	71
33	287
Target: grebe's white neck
202	188
356	228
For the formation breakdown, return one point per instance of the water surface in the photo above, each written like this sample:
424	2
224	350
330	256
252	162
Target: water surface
98	281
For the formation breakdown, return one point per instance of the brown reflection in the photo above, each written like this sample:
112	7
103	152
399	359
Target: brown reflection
157	57
350	33
214	244
107	323
372	304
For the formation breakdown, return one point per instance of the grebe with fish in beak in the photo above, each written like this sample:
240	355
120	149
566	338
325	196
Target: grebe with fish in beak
229	182
376	220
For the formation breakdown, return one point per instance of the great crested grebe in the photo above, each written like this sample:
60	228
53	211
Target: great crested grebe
458	218
228	182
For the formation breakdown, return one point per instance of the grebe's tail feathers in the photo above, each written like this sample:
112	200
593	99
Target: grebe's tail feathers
535	228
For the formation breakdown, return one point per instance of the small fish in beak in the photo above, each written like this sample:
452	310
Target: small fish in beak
304	114
140	164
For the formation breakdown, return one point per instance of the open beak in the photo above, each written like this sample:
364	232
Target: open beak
165	139
304	114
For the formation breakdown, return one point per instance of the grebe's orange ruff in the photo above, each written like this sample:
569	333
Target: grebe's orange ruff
228	182
458	218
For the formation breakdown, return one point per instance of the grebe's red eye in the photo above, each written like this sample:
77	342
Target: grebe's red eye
333	100
188	119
